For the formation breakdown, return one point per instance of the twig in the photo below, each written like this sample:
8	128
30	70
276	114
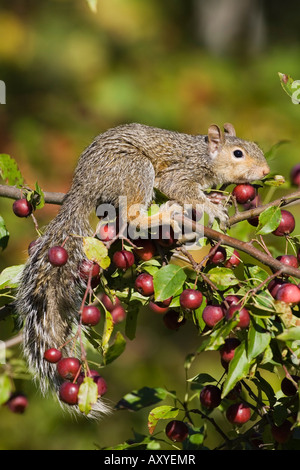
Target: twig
213	422
12	192
284	201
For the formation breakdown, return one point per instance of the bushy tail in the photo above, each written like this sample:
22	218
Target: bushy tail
48	304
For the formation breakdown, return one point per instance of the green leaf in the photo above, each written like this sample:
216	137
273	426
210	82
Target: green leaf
217	336
116	349
199	380
39	195
10	277
255	274
265	386
195	439
274	180
146	396
107	331
167	281
258	338
5	388
291	334
4	234
222	277
96	251
9	171
160	412
290	86
269	220
87	395
238	368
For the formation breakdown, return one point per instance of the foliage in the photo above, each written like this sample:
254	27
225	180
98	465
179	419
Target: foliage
269	342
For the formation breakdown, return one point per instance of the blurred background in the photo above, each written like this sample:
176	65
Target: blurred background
179	64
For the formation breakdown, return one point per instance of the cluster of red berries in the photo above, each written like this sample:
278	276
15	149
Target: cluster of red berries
69	369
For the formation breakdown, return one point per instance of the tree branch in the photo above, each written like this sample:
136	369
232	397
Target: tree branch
12	192
56	198
284	201
246	247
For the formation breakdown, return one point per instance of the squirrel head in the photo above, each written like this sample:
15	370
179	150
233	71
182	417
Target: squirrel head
234	160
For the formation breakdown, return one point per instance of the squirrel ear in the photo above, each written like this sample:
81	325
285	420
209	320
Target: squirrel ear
215	140
229	129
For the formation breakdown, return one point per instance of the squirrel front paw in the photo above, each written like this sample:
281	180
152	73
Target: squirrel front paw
217	211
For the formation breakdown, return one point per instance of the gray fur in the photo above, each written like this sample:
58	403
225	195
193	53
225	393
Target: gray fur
129	160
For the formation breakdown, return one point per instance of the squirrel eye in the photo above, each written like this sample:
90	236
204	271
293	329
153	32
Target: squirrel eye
238	153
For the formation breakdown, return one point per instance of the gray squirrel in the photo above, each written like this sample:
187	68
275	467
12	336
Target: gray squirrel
129	160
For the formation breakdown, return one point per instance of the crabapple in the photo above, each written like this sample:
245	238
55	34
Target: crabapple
123	259
287	224
243	315
210	396
22	208
108	303
234	260
238	413
68	392
87	268
295	175
52	355
289	293
287	386
90	315
106	232
17	403
289	260
190	299
144	284
217	256
118	314
227	350
212	314
145	249
275	284
57	255
68	367
283	432
177	431
244	192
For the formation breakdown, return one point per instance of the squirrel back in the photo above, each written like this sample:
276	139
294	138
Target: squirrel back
129	160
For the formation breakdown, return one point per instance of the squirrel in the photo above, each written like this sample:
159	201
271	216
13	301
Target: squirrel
129	160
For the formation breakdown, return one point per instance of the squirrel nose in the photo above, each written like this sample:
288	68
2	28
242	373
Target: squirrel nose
266	171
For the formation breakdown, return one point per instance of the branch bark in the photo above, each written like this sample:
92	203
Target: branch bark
56	198
12	192
284	201
246	247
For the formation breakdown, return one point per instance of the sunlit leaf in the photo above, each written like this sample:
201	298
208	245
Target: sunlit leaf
238	368
9	171
167	281
10	277
161	412
96	251
87	395
269	220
